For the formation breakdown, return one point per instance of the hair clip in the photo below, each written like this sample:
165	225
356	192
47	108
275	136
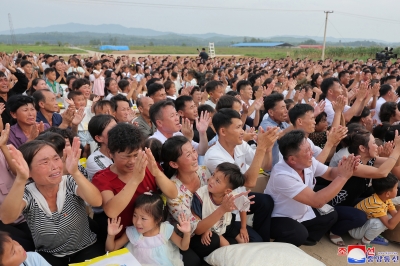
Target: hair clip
148	193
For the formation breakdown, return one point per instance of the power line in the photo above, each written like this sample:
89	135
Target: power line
112	2
368	17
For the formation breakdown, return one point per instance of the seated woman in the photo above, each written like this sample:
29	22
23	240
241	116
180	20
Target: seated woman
18	230
390	112
53	204
22	109
133	172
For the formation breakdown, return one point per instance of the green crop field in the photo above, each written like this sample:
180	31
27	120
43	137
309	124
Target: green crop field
347	53
48	49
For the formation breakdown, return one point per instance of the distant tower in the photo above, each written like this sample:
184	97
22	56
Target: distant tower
13	40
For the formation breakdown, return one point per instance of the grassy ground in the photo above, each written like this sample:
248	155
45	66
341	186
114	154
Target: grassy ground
48	49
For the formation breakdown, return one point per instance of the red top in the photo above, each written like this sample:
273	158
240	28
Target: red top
108	180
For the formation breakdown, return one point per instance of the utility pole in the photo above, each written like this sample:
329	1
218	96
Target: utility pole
13	40
326	23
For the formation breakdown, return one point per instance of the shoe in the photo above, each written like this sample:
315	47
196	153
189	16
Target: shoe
310	242
380	240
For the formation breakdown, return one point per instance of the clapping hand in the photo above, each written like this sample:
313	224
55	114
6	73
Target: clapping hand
202	122
187	129
20	164
71	155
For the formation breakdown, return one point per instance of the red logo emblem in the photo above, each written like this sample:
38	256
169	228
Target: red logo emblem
370	251
342	251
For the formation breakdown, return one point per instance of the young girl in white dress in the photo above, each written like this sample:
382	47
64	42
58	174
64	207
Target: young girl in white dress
98	85
150	240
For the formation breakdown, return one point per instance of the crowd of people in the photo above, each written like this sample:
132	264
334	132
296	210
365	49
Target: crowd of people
159	154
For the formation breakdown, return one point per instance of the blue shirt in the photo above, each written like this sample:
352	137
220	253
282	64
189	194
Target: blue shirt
56	120
271	123
34	259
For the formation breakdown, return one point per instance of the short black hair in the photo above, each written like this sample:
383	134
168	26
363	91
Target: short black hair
79	83
73	94
385	88
4	237
226	101
212	85
298	111
125	137
65	132
154	88
123	83
205	108
25	62
388	109
242	84
102	103
118	98
327	84
97	125
232	172
180	102
49	70
157	108
56	139
271	100
16	101
38	96
290	143
382	185
223	118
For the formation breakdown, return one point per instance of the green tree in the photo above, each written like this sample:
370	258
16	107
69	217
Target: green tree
151	44
59	43
309	42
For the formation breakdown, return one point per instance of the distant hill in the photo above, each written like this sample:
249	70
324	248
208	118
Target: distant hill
75	33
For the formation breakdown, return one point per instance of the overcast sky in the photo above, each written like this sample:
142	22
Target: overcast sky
250	18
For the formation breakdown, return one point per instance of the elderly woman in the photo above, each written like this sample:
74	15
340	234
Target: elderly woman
53	204
22	109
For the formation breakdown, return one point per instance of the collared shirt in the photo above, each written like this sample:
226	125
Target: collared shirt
271	123
158	135
54	87
374	207
330	112
146	130
285	183
378	105
17	136
56	119
243	156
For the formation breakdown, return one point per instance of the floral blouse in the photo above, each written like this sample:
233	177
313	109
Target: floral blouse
183	202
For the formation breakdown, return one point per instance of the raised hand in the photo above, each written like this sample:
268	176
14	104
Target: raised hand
69	102
34	132
71	155
187	129
114	226
184	224
386	149
96	99
139	170
338	105
21	167
78	116
151	162
4	135
347	166
203	121
266	139
336	135
258	103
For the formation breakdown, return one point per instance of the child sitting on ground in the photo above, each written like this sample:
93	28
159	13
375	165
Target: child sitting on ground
13	254
381	212
209	206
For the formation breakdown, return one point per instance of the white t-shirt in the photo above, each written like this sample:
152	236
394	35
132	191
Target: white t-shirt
378	106
285	183
97	161
210	103
158	135
109	96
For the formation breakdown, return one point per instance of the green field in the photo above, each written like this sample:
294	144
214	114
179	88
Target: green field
346	53
48	49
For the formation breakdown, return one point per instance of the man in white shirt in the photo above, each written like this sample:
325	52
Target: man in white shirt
166	119
387	93
332	89
302	118
230	147
295	218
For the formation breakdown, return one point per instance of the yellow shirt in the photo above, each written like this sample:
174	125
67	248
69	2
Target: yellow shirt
374	207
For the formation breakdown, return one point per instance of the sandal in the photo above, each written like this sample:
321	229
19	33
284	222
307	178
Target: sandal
380	240
337	240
